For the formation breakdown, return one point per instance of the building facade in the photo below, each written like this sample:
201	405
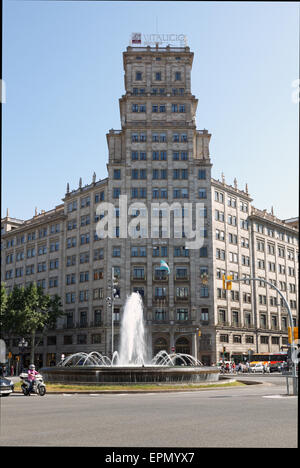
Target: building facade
158	160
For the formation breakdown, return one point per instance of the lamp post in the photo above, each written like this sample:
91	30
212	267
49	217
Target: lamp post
22	346
113	282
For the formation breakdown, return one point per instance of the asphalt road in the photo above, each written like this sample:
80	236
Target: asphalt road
251	416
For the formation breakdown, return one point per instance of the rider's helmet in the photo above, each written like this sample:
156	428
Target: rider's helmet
32	366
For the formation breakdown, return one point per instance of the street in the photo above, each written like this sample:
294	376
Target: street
250	416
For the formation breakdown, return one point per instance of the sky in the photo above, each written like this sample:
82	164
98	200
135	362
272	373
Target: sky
63	72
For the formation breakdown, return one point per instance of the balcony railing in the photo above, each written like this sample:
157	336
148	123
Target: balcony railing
236	324
223	324
182	278
181	298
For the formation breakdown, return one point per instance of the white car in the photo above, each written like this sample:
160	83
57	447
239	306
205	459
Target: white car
258	367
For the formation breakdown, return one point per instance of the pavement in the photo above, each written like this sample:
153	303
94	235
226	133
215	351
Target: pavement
248	416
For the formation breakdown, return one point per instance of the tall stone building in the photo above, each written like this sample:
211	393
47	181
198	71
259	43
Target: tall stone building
158	156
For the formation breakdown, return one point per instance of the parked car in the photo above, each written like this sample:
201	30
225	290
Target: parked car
258	367
6	386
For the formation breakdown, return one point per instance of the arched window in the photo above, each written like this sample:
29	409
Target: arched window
183	346
160	345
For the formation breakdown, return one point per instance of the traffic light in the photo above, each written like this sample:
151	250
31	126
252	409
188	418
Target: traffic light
227	282
115	289
290	334
224	349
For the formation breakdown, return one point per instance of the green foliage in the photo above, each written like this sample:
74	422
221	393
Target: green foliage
27	311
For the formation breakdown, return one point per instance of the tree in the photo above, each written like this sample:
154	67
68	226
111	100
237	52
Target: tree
29	311
11	316
40	313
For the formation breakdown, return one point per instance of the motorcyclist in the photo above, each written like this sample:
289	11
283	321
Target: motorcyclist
31	376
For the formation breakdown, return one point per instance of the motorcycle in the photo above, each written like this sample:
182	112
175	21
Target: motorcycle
38	385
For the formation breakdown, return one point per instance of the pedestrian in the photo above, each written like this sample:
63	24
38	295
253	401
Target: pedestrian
247	366
12	372
233	367
227	369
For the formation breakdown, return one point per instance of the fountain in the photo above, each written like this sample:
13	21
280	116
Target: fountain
132	364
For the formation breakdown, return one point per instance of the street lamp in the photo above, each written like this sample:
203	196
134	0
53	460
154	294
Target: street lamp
22	346
113	283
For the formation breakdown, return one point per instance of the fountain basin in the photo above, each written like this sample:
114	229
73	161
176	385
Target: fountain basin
120	375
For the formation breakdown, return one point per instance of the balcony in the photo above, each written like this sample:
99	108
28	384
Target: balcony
183	322
181	298
249	326
138	278
161	299
158	321
236	324
69	325
223	324
181	278
160	278
82	324
96	324
204	322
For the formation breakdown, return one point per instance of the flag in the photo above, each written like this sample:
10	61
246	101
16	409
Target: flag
164	266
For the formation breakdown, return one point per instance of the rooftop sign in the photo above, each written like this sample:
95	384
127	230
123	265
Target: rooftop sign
176	40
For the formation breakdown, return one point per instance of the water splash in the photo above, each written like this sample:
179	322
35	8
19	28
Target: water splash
133	345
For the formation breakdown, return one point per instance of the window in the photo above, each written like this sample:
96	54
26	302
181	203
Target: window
237	338
160	315
83	296
138	76
182	293
96	338
160	293
224	338
182	314
116	192
204	314
86	201
98	274
68	339
264	339
117	173
81	339
202	174
99	197
219	197
139	273
219	215
181	273
177	76
222	315
203	252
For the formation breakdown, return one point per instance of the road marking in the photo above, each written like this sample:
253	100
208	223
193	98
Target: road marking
279	396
